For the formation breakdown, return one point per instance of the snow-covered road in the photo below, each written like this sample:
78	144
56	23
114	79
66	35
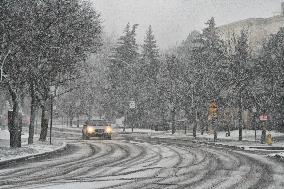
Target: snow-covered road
137	161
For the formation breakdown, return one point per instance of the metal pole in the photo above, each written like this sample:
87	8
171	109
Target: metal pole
125	120
78	120
51	114
36	121
254	121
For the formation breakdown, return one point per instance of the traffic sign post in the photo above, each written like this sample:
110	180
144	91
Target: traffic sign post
263	118
132	106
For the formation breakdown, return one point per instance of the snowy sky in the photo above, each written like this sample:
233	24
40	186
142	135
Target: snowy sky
172	20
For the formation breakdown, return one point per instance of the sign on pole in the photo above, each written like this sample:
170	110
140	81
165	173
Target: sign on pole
132	104
263	117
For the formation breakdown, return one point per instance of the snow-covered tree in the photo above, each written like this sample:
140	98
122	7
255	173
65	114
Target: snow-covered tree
188	73
209	57
46	40
121	71
240	71
147	71
271	72
169	88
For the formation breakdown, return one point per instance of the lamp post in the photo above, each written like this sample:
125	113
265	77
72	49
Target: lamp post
254	121
52	93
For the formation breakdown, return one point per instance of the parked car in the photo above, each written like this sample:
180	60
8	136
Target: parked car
97	128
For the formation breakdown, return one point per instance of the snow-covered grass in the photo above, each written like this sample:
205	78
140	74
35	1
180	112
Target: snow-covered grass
5	135
7	153
248	142
248	135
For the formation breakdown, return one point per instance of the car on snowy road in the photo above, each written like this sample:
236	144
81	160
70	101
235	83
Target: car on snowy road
97	128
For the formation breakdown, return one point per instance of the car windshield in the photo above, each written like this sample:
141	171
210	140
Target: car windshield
97	123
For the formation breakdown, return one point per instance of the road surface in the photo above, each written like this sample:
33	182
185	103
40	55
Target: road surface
136	161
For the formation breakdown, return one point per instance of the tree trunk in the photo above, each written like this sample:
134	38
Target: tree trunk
78	122
188	120
32	117
214	125
16	127
228	130
240	118
71	121
44	125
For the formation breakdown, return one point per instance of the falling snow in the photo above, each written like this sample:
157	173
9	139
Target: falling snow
88	101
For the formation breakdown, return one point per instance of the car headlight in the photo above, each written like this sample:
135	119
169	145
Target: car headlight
90	129
108	129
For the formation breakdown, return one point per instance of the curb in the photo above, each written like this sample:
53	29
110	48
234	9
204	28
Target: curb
7	163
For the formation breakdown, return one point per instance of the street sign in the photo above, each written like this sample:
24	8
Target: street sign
132	105
263	117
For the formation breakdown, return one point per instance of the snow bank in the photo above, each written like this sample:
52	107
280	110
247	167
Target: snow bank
28	151
279	155
248	135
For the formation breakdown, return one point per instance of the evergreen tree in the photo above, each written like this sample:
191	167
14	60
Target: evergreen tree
122	71
170	87
188	73
240	75
209	58
147	72
150	55
271	73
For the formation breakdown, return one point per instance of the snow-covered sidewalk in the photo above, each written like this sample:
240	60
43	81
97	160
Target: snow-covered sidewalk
26	151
